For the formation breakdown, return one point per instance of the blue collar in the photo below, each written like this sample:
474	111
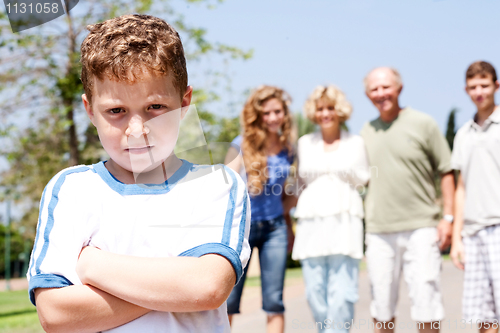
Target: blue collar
137	189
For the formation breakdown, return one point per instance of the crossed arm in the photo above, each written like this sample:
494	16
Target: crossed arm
118	289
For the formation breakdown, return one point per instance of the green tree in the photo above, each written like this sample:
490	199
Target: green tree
44	127
304	125
451	128
16	247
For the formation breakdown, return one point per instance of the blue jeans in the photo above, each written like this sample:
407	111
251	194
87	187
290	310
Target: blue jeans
270	237
332	289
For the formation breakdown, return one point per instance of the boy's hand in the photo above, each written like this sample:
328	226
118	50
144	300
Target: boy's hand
457	253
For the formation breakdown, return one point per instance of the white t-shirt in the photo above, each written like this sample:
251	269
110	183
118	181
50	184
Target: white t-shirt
330	209
476	153
199	210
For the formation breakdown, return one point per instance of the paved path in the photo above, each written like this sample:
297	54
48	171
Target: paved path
299	319
15	284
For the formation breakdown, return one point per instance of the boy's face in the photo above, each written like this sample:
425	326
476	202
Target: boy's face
137	123
481	90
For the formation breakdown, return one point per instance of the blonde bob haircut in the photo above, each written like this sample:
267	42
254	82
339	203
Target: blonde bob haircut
333	95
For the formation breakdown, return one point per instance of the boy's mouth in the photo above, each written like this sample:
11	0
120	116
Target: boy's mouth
139	150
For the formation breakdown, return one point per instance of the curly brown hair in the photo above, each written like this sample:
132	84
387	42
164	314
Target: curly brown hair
254	146
125	47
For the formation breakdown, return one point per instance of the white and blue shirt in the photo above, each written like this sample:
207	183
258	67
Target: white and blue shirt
199	210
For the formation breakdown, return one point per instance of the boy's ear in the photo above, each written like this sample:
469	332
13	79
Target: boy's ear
186	101
497	85
88	108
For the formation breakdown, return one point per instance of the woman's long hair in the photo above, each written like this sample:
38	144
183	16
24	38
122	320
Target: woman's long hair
254	146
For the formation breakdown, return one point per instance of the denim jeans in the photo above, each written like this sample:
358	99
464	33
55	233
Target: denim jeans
270	237
332	289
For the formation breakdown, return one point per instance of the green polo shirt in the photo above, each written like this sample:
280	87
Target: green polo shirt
404	156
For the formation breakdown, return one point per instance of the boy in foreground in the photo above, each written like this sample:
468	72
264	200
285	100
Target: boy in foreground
476	232
144	242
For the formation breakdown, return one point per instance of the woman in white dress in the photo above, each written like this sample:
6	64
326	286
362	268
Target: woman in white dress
333	171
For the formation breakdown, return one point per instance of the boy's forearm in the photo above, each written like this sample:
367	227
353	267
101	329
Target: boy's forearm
83	309
177	284
459	211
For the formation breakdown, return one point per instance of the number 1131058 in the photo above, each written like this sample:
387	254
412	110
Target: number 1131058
32	8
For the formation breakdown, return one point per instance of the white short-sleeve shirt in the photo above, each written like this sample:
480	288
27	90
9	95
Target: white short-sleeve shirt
199	210
476	153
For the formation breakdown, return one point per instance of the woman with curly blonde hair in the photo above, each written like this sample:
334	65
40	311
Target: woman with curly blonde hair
332	169
266	147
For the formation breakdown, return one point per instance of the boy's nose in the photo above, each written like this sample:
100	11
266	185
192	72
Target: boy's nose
136	127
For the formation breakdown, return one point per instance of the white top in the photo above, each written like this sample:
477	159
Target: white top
330	209
331	179
476	153
199	210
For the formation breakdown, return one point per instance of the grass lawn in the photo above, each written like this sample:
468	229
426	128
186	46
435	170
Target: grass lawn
17	314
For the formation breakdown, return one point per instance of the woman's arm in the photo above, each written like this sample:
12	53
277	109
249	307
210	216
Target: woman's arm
174	284
360	169
83	309
233	159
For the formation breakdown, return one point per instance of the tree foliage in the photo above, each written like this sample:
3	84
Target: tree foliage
304	125
16	247
451	128
44	128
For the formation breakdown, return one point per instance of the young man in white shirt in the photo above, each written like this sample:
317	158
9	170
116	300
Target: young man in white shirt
476	233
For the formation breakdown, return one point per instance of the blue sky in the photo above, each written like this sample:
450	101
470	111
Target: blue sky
299	44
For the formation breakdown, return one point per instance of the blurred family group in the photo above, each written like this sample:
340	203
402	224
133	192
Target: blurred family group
400	157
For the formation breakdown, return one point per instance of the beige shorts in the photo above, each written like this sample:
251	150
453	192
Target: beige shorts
417	255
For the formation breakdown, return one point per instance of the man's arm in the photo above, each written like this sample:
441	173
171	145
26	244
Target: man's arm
82	309
448	192
175	284
457	252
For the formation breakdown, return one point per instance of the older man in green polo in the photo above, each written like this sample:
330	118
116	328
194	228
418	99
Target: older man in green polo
404	231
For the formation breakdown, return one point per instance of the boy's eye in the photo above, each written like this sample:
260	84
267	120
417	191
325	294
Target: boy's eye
115	110
156	106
